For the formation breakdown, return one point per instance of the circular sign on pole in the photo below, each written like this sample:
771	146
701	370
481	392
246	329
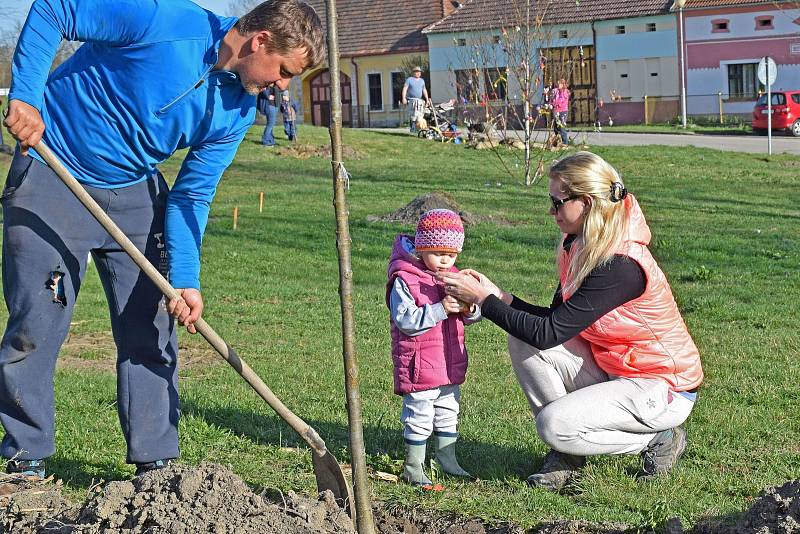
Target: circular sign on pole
762	70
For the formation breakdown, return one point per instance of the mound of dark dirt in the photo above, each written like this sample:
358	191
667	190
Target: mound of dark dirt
305	151
177	499
776	510
409	214
210	498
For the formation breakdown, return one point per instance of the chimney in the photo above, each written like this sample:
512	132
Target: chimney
448	6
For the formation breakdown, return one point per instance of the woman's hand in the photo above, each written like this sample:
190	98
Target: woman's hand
468	286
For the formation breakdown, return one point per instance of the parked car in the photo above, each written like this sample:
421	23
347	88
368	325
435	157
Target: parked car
785	112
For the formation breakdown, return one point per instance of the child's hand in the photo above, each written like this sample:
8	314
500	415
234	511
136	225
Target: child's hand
451	304
466	308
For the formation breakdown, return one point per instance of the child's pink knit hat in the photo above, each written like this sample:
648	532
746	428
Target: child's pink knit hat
440	230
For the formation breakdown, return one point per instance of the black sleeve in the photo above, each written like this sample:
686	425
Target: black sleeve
607	287
519	304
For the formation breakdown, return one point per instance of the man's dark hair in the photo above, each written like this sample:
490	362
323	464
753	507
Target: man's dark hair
292	24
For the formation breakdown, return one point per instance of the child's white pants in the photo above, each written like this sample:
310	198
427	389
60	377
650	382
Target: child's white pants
431	410
582	411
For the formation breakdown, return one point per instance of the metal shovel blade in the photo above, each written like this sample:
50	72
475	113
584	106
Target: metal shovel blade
330	476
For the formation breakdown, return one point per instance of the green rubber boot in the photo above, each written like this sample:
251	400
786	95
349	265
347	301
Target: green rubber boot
446	455
412	467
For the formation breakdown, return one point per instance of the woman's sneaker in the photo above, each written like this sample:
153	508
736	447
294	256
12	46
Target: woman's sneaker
557	470
30	468
663	452
152	466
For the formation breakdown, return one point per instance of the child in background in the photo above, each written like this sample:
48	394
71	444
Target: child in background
428	350
289	110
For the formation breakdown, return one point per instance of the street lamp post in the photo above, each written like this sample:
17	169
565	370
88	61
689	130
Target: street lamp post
681	38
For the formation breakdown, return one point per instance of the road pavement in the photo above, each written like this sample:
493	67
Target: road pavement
756	144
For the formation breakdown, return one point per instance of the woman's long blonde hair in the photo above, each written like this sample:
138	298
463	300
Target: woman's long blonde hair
605	227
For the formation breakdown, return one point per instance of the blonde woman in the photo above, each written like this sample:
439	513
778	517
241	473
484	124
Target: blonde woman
609	367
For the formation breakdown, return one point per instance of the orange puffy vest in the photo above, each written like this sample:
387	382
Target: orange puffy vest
645	337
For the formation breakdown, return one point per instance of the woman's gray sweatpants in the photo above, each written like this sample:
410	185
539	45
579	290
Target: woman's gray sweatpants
580	410
47	237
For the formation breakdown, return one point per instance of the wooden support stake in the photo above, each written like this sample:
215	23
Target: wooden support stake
261	202
235	217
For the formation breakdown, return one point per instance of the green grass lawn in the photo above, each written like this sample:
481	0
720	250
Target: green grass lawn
726	230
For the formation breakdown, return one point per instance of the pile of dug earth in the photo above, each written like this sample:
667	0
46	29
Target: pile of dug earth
210	498
178	499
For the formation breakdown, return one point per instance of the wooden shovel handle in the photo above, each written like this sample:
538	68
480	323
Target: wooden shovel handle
226	351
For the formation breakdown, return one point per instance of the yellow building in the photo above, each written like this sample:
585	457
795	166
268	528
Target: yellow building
375	41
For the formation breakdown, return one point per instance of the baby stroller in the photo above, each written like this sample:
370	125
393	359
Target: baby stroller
435	125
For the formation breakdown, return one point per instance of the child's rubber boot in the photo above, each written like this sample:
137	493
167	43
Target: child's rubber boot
446	455
412	468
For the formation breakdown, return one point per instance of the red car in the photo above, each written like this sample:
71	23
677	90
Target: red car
785	112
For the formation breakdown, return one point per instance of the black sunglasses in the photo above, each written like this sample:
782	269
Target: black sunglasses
558	202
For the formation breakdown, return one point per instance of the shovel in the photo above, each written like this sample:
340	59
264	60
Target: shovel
327	470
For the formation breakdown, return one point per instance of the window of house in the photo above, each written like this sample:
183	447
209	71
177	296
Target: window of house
653	74
467	86
719	26
563	34
494	80
651	26
375	91
619	29
398	80
764	22
743	81
496	39
461	42
624	75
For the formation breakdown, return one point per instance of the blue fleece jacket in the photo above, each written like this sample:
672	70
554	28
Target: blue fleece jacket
139	88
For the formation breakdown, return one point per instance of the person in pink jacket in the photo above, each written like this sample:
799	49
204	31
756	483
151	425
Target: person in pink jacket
560	96
428	349
609	367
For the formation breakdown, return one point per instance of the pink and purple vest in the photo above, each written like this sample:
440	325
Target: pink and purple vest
439	356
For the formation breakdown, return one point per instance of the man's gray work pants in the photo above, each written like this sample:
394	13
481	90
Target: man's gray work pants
47	237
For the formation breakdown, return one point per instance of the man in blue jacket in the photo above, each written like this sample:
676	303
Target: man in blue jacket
153	77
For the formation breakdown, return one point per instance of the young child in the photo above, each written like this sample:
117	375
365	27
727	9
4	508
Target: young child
430	358
289	110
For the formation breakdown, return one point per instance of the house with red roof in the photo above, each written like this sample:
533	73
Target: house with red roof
375	40
725	40
623	53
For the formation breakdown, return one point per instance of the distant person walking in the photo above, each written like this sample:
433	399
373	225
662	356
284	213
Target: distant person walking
415	96
268	106
560	100
289	111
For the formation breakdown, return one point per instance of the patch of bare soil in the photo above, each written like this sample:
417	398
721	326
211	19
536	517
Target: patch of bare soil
104	353
776	510
410	213
178	499
304	151
210	498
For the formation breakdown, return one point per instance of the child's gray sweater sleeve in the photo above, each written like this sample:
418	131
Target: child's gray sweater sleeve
412	320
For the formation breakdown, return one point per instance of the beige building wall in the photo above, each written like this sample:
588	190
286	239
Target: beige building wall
388	111
632	79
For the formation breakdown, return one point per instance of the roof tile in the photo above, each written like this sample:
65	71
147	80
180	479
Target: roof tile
488	14
367	27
